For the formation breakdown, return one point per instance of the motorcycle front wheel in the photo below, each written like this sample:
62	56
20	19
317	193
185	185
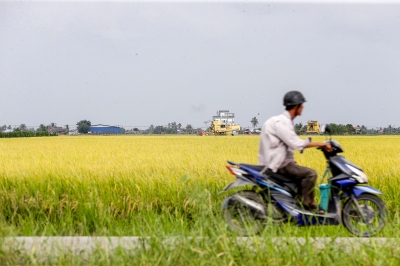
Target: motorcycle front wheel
368	218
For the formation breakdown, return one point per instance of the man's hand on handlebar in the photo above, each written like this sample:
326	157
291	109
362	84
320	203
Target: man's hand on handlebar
327	147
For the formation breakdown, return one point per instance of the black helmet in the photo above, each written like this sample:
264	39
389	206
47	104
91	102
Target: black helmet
293	98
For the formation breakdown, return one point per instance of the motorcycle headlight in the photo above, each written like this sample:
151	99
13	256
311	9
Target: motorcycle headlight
358	175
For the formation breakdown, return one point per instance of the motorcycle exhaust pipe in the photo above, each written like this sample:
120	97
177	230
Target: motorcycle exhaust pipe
259	208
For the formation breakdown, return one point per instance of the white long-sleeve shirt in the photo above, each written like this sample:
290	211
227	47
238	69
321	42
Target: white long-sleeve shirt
277	142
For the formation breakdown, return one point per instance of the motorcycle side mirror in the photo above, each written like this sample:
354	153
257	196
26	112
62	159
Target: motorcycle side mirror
326	128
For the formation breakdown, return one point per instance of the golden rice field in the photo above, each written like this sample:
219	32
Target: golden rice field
156	185
170	157
120	177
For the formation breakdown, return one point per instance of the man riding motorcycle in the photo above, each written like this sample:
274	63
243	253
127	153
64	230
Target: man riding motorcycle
278	139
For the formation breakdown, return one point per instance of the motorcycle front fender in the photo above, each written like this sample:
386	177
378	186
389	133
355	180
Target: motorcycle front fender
358	190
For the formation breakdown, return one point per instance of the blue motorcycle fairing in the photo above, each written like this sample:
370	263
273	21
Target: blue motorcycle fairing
346	182
358	190
304	217
343	164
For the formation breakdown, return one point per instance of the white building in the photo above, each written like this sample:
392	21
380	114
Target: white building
73	132
225	117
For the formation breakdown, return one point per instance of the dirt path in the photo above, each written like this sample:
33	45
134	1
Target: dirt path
56	245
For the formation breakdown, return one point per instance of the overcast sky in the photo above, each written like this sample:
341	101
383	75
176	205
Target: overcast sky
136	63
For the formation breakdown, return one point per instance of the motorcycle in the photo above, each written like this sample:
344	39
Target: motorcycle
275	199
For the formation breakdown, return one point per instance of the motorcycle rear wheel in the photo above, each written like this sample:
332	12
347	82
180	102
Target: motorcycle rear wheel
374	212
241	218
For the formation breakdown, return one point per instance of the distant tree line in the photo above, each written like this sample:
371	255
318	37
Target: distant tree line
26	134
171	128
23	131
83	127
349	129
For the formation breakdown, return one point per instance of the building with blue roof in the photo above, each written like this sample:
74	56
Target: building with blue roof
105	129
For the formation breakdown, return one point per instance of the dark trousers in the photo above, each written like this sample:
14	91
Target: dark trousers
306	177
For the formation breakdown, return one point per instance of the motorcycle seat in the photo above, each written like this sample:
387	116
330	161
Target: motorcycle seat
281	178
256	167
269	173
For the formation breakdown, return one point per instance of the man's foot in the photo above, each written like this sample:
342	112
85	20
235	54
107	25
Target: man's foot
314	208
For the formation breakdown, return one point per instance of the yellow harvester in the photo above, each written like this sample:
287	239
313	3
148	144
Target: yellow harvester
313	127
218	128
223	124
